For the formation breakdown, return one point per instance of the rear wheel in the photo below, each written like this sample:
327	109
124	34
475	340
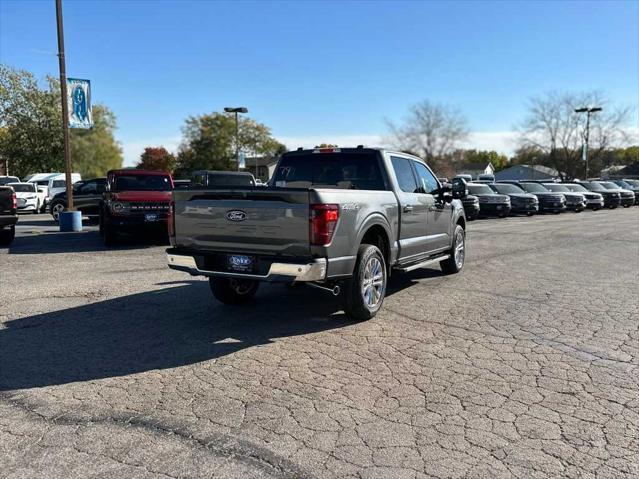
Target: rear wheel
7	235
364	292
233	291
455	263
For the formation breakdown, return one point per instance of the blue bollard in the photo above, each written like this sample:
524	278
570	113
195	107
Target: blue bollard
70	221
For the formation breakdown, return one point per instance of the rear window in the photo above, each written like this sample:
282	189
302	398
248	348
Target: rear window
229	180
8	179
141	183
58	184
355	171
23	187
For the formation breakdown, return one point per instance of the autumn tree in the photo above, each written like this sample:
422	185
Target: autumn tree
157	158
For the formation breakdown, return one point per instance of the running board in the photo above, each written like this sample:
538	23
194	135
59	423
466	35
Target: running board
422	264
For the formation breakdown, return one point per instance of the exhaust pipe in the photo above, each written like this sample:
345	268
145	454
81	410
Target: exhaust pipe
335	290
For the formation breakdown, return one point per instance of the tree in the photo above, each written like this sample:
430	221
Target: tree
432	131
157	158
209	142
498	161
31	120
95	151
553	127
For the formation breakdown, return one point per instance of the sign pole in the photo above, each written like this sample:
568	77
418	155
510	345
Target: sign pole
65	107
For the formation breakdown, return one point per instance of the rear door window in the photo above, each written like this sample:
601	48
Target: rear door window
354	171
404	174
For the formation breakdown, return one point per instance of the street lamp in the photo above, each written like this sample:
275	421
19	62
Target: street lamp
236	110
588	111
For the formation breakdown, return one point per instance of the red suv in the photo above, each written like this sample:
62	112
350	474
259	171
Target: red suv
135	201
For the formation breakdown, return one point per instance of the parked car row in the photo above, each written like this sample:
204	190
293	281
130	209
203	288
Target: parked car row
530	197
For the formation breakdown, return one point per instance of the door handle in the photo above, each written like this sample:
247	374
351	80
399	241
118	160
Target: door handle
408	208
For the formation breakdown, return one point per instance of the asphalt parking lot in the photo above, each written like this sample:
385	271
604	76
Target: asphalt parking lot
525	365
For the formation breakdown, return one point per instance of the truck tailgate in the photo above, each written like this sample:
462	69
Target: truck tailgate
252	219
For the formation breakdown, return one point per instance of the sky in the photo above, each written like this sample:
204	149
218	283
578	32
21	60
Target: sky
331	71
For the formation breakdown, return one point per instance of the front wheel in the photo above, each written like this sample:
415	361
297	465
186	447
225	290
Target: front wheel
455	263
56	209
364	292
109	234
233	291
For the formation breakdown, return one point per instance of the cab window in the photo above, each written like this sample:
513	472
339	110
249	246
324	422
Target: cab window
427	181
404	174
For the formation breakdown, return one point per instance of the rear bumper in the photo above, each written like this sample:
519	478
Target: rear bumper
277	272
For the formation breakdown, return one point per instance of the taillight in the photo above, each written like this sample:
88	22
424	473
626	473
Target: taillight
170	220
14	201
322	223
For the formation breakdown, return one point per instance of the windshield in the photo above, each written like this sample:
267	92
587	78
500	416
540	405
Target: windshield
634	183
576	188
595	187
220	179
58	184
609	184
623	184
507	189
533	187
555	187
8	179
23	187
357	171
142	183
480	190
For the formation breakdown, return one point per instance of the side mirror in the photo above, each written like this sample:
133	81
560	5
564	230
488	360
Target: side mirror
460	190
42	190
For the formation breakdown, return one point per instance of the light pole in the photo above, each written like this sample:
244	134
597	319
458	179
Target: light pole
236	110
588	111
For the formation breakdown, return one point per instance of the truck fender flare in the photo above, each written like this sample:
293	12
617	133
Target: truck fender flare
377	219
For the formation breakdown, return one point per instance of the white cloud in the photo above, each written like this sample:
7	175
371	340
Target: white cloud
504	142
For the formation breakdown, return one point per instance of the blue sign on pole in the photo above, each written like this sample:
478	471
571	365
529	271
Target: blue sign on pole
79	103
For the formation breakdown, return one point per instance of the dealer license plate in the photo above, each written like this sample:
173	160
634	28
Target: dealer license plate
239	262
150	217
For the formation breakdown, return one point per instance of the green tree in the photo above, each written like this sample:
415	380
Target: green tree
157	158
31	119
95	151
498	161
209	142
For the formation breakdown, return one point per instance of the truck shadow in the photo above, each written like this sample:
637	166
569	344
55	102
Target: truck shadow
88	241
166	328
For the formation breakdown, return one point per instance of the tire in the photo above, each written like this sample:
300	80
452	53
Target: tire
56	209
37	209
529	213
109	234
455	263
7	235
233	291
365	290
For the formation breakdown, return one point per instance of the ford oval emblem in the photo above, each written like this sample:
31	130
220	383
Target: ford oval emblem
236	215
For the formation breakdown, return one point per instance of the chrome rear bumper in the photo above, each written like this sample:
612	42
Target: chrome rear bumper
314	271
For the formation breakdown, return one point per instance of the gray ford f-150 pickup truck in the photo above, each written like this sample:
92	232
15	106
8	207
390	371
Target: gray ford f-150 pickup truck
336	218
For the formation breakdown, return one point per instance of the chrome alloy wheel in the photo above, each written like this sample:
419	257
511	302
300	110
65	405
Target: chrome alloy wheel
56	210
374	282
460	249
